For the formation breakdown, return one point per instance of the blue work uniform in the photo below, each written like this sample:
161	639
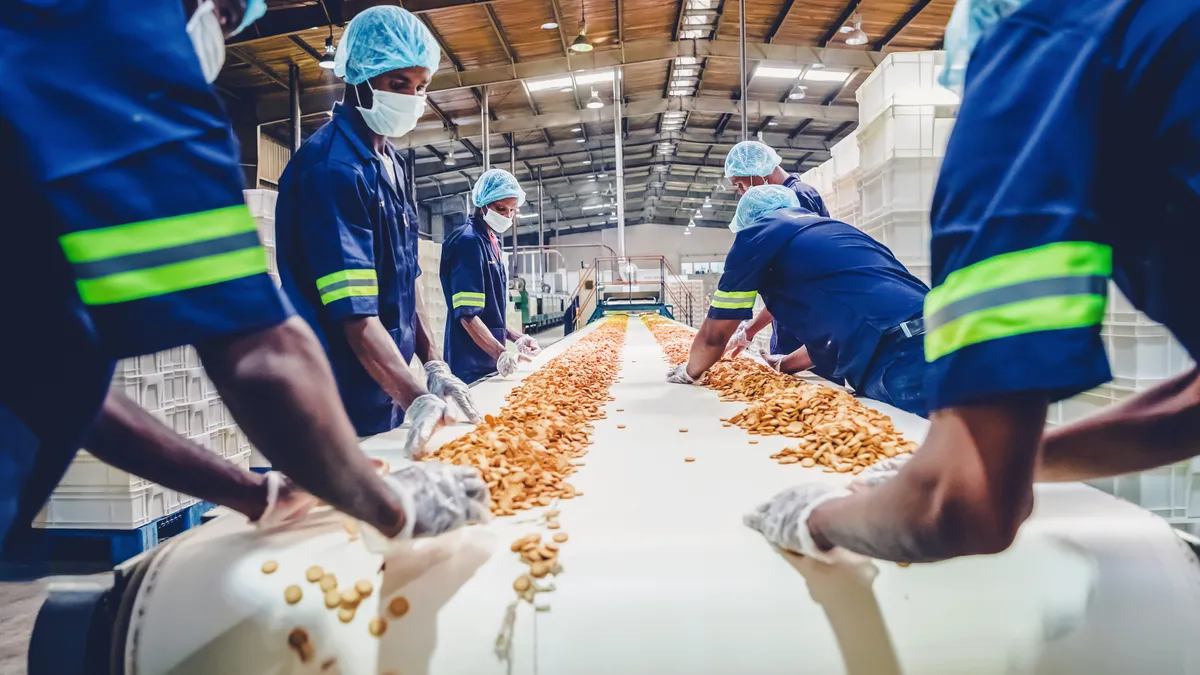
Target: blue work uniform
839	290
346	244
474	283
1047	192
809	198
132	234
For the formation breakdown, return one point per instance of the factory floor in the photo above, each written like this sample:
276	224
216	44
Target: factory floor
19	604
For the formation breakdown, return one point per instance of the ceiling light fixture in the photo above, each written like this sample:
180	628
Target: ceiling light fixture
594	102
800	93
582	44
550	25
857	36
326	61
450	161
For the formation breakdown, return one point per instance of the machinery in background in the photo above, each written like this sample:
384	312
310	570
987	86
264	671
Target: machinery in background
635	283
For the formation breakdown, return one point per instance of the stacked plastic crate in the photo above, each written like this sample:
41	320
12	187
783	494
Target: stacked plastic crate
905	119
262	208
678	290
429	257
843	199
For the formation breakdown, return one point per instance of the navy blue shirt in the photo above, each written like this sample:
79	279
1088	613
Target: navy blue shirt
347	246
133	235
809	198
474	283
823	280
1047	192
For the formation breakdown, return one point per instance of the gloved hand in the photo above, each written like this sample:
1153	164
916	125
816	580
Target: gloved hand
423	417
679	375
285	501
436	498
506	365
739	341
880	472
774	361
783	519
527	346
442	382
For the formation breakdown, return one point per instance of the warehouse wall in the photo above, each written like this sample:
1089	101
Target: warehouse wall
665	240
273	157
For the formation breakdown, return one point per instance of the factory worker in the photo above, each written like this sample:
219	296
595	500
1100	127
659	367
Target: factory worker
1030	221
346	233
857	308
139	240
752	163
474	284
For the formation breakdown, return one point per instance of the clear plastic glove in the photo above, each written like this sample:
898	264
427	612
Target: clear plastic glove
424	417
679	375
880	472
285	501
774	361
739	341
783	519
506	365
442	382
436	498
527	346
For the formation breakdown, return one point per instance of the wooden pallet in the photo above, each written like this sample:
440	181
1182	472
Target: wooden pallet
107	546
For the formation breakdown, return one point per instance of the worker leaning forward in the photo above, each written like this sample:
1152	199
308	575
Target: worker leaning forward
1030	221
135	239
473	281
856	306
346	227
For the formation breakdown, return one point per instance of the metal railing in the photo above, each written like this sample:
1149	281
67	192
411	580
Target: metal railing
671	291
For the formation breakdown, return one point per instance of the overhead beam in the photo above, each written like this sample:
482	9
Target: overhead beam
900	25
783	15
838	23
308	49
253	61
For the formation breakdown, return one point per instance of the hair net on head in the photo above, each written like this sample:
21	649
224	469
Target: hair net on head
381	39
496	184
751	158
759	201
971	22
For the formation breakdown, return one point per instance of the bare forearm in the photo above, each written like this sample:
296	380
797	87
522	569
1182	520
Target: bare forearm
512	335
426	349
964	493
378	354
709	345
1157	427
796	362
481	336
761	321
280	389
131	439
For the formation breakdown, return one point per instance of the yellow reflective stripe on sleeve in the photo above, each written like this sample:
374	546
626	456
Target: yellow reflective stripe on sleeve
145	283
153	235
347	284
345	275
734	299
348	292
1031	316
467	299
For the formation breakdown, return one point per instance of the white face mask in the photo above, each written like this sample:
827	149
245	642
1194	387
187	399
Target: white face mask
497	222
204	29
392	114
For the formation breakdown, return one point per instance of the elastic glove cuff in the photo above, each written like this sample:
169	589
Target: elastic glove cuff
808	546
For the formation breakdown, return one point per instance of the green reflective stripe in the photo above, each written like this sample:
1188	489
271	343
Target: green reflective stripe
723	304
1062	259
467	299
349	291
345	275
1007	295
145	283
1058	312
736	295
152	235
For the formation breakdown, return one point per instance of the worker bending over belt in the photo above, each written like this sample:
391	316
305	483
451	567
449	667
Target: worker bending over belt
1030	222
473	282
786	353
857	307
139	241
346	229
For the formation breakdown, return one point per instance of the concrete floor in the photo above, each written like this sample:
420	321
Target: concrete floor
19	604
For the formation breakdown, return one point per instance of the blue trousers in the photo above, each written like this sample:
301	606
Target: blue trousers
896	375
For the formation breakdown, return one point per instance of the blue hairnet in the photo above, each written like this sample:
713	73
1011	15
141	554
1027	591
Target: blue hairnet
760	201
496	184
751	158
254	11
971	21
382	39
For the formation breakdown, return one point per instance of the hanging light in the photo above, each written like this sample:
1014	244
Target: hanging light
691	223
707	201
857	36
595	102
326	61
582	44
450	161
799	93
550	25
687	231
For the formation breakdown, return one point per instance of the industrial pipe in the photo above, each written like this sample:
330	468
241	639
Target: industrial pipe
294	93
744	65
541	240
619	142
512	168
487	146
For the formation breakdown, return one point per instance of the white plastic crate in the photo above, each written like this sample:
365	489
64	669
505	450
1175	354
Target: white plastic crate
145	390
110	510
904	131
906	233
848	214
175	388
88	473
898	185
272	265
1086	404
922	272
261	202
1150	358
844	196
845	155
136	366
1172	492
903	78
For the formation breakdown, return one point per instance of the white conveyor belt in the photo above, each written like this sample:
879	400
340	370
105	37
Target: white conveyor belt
661	576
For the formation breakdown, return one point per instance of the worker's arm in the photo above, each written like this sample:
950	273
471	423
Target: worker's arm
512	335
1157	427
481	336
709	345
379	355
759	322
133	440
280	389
965	492
797	361
426	348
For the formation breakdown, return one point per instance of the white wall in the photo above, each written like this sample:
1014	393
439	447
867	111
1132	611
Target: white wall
664	240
